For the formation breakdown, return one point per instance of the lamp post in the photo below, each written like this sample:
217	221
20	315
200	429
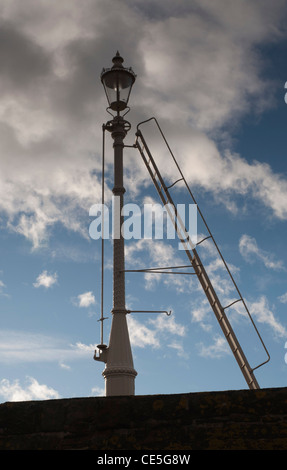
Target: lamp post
119	372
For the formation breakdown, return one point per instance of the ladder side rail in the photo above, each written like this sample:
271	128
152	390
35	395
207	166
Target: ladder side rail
149	168
211	236
205	282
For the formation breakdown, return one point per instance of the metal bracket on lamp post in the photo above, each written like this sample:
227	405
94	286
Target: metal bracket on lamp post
150	311
109	126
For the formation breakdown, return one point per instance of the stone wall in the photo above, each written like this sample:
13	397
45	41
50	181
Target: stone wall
230	420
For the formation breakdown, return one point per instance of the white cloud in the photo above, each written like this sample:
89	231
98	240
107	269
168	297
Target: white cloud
201	314
46	280
98	391
259	310
13	391
227	175
86	299
249	250
64	366
163	324
50	99
178	347
221	279
262	312
283	298
216	350
157	332
157	253
2	289
21	346
85	348
140	335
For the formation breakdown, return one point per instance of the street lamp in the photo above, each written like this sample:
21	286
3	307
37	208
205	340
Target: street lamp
119	372
118	82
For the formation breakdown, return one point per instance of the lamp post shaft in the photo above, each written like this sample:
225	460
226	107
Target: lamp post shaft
119	372
118	134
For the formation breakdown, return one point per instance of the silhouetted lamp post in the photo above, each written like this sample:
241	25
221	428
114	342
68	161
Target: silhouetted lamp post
119	372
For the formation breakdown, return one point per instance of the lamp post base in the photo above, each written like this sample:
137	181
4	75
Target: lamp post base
119	381
119	372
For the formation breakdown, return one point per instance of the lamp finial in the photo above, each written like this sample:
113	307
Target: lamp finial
117	60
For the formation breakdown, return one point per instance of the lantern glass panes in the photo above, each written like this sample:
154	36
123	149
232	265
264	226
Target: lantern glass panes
118	82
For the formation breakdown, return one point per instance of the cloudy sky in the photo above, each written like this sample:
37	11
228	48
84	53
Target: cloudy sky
213	73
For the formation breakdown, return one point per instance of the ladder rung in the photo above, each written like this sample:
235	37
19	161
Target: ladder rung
206	238
232	303
153	176
177	181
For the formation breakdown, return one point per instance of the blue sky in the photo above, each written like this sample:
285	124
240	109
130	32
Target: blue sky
213	73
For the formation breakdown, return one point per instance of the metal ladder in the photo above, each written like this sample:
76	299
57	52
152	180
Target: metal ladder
195	260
